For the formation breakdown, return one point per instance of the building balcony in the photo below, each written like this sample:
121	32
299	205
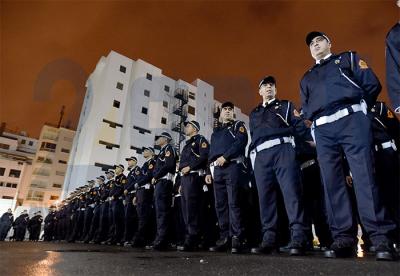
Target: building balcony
181	94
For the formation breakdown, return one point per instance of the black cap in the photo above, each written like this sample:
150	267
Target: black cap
131	158
164	134
268	79
148	148
195	124
227	104
120	166
91	181
101	177
314	34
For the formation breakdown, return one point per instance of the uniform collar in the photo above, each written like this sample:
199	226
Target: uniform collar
268	102
324	58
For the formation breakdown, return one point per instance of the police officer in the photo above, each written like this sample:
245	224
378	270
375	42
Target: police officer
393	65
272	125
20	225
6	221
101	233
335	93
34	226
144	198
116	206
162	179
192	166
130	215
226	157
96	205
89	208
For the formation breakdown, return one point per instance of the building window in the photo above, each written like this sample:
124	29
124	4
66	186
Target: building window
104	167
41	171
2	184
60	173
146	93
166	88
46	146
142	130
31	143
44	160
138	150
149	76
120	86
14	173
116	104
163	120
14	185
65	150
58	186
144	110
165	104
192	96
23	141
122	69
62	162
2	170
35	195
108	145
112	124
4	146
7	197
53	197
191	110
11	185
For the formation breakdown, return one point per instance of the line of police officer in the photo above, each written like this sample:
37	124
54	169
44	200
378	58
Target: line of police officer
314	167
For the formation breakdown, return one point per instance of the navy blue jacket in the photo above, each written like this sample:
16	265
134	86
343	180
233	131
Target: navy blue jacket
336	83
228	140
146	172
132	177
195	153
118	186
393	65
275	120
385	125
165	163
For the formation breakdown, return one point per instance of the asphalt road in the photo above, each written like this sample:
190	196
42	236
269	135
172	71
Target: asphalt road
43	258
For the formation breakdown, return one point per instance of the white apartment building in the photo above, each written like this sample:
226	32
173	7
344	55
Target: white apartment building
48	167
127	103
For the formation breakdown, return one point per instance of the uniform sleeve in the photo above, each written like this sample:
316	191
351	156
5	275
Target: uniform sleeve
393	66
299	128
169	164
240	143
146	178
392	123
367	80
304	98
204	149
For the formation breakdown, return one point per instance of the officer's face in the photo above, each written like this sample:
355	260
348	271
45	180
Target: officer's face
118	170
109	176
227	113
189	130
268	91
319	47
132	163
146	153
9	210
161	141
99	182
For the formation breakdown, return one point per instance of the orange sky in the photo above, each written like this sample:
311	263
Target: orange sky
231	45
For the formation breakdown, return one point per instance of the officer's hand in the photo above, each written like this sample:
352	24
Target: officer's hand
208	179
349	181
220	161
134	201
308	123
311	143
125	192
185	170
153	181
180	190
136	186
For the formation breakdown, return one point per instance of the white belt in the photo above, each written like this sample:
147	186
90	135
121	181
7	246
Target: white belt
168	176
92	205
234	160
272	143
339	114
199	172
386	145
82	209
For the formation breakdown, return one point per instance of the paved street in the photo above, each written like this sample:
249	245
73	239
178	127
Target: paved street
78	259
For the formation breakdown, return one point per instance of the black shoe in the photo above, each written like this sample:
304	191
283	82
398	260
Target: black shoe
265	248
220	246
385	252
296	248
187	247
341	249
159	246
237	245
138	243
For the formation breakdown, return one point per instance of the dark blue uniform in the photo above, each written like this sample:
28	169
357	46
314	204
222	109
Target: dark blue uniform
130	216
393	66
117	209
195	156
49	226
144	202
164	172
6	221
331	93
230	141
95	221
104	219
274	160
